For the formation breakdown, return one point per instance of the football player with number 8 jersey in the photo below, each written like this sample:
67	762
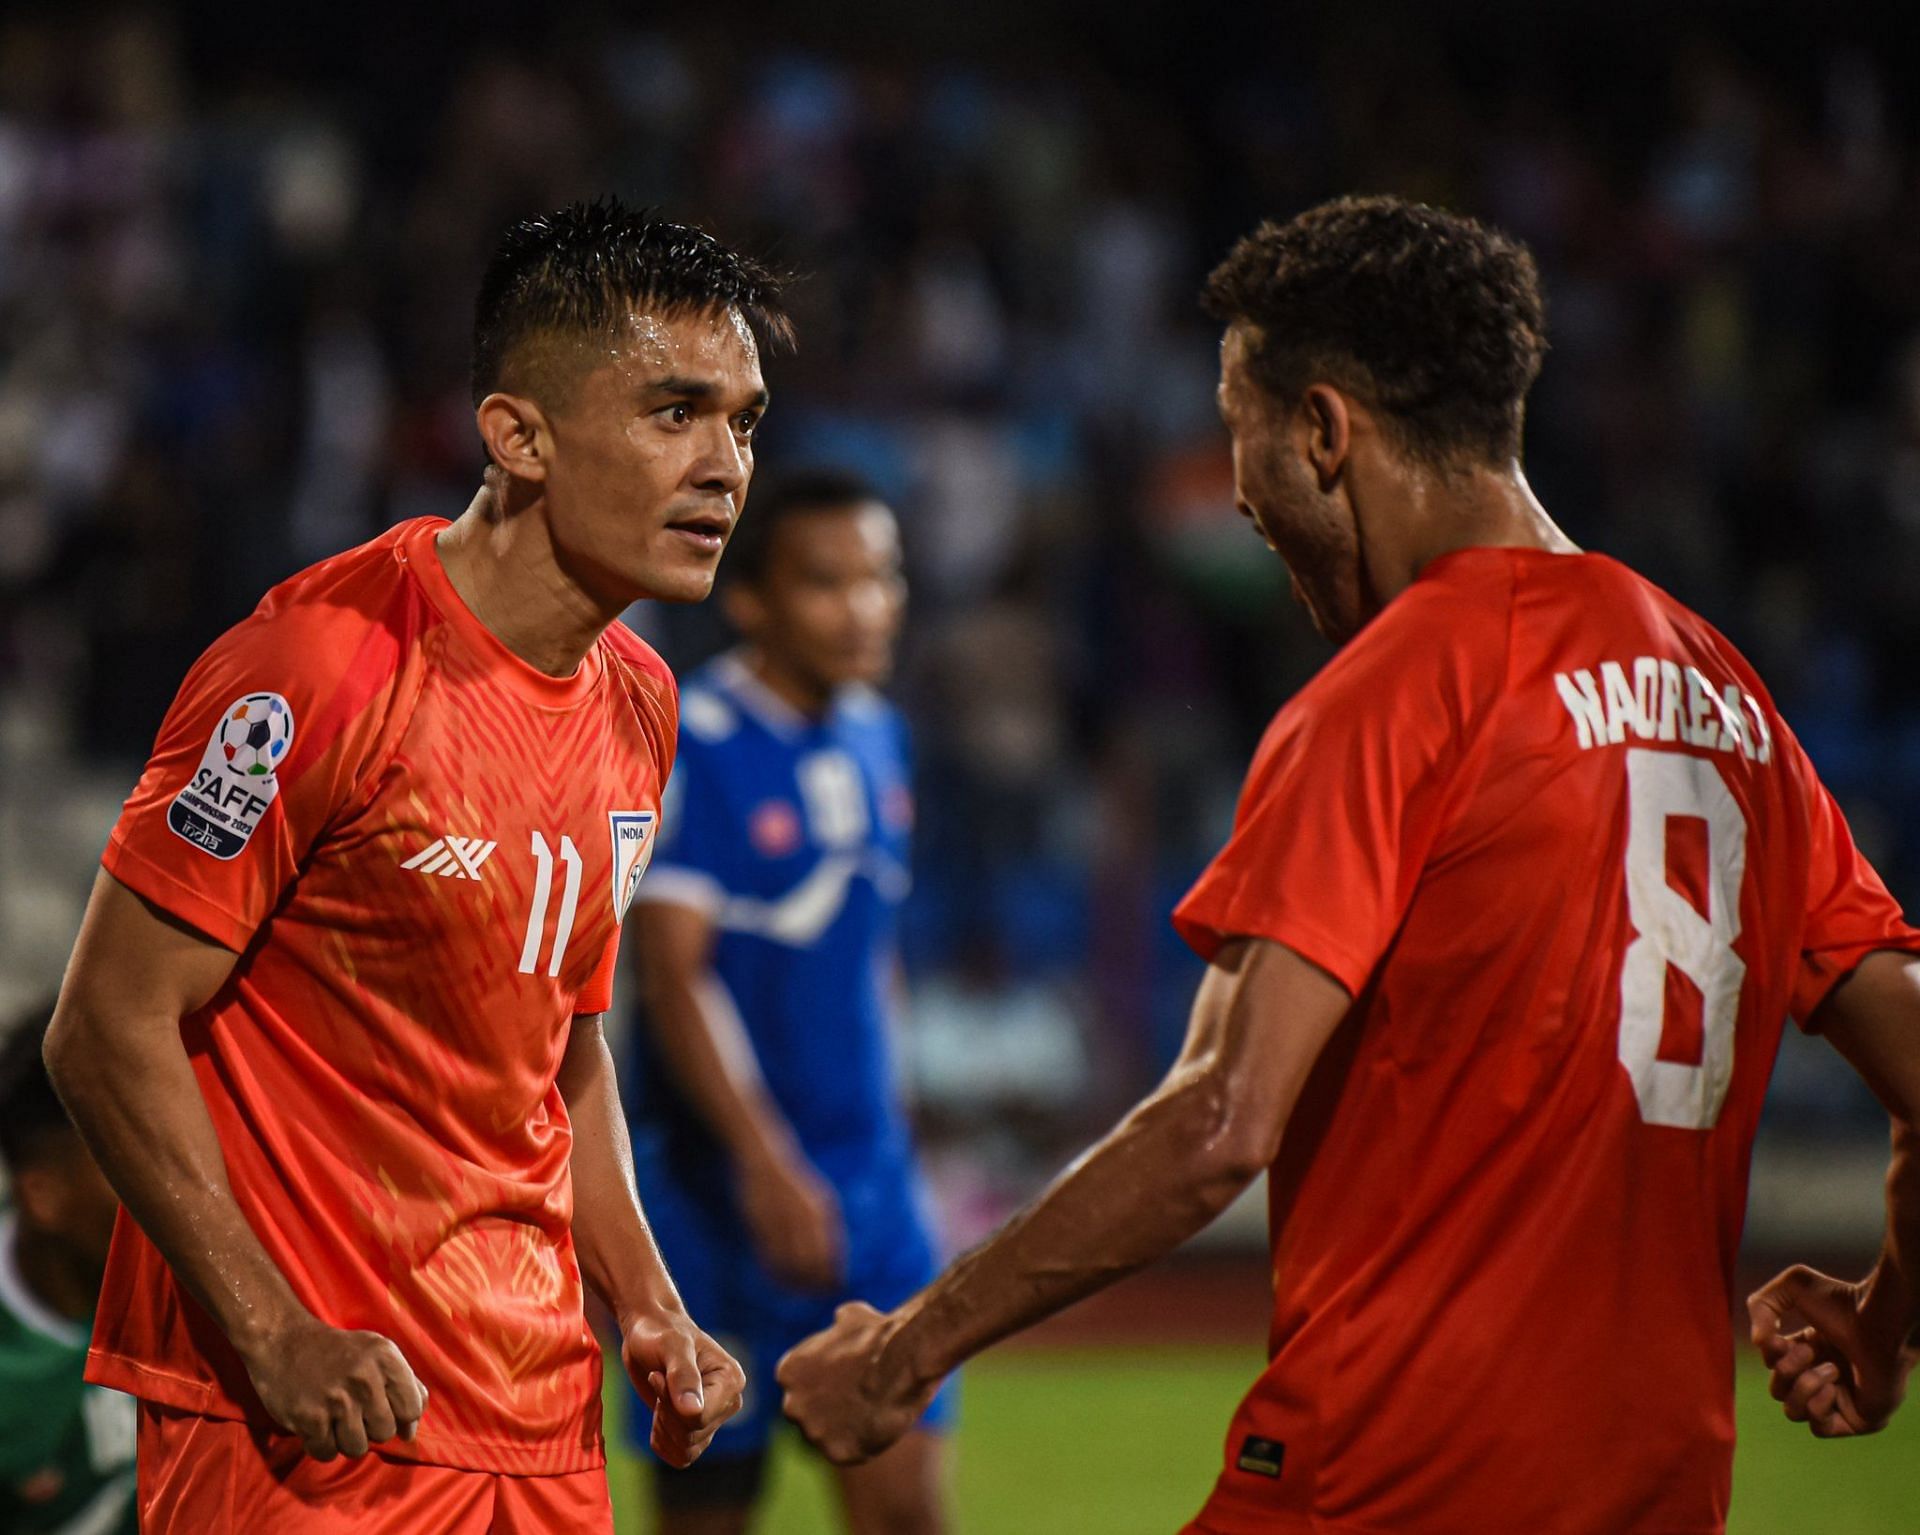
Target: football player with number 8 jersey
1519	892
332	1023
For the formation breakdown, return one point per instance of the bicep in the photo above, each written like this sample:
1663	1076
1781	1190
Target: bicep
1872	1017
135	960
585	1055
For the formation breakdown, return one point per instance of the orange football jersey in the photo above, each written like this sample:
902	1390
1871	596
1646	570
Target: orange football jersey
1546	827
421	848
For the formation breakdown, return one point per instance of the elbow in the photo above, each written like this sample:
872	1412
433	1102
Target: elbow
62	1050
1238	1162
1235	1134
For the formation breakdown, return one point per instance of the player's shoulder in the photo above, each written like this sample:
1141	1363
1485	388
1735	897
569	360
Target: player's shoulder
636	655
866	707
1606	603
1454	623
353	614
711	718
351	588
730	713
867	716
1696	632
314	611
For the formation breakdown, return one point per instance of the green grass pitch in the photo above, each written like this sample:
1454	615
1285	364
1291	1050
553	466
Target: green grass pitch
1026	1461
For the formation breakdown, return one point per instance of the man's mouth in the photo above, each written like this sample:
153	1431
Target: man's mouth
708	530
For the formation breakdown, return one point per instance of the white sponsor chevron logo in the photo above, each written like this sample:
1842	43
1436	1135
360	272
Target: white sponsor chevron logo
452	857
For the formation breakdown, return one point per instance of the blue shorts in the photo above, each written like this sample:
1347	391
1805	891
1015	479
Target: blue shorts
754	1316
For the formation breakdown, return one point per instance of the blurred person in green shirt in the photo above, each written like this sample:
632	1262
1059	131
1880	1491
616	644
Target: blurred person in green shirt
66	1448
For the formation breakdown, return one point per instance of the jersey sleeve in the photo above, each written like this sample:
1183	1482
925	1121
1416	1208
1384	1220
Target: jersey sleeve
1351	785
597	995
1849	914
265	742
695	864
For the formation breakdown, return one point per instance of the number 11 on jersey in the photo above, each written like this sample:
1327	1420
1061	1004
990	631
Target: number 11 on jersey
542	894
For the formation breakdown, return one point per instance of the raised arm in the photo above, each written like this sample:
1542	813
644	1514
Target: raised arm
1260	1021
789	1208
115	1054
1843	1369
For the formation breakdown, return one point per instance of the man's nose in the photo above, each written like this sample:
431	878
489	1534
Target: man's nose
722	468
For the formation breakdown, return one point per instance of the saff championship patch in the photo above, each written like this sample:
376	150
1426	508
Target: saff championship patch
633	841
236	780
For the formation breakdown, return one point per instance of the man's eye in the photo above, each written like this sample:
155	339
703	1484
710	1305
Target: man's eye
677	415
748	423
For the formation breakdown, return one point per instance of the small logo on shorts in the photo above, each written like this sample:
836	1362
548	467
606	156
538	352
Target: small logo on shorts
1263	1457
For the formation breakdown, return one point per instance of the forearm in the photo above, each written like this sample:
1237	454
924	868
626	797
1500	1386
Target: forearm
618	1255
1160	1176
1895	1285
132	1093
706	1049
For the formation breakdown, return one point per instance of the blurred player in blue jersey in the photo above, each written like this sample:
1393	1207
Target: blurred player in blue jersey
773	1156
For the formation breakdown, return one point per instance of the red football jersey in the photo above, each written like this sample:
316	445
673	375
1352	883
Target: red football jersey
1546	827
421	848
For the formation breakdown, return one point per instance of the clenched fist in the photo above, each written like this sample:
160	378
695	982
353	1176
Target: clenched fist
692	1384
847	1393
339	1391
1844	1371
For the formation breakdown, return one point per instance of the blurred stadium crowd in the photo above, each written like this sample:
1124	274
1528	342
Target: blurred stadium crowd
234	279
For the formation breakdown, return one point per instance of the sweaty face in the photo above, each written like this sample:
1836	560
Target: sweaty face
828	604
653	452
1275	487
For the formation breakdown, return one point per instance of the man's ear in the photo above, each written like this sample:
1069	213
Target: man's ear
1328	424
743	607
518	438
41	1196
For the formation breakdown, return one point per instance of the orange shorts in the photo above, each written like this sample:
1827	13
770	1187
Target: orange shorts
211	1476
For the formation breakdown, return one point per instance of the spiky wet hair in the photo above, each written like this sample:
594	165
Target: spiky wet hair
578	272
1435	318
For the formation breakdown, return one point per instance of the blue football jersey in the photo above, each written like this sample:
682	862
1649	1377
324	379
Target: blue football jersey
792	834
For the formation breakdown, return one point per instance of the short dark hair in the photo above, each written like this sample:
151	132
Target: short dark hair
577	270
796	494
30	1111
1434	317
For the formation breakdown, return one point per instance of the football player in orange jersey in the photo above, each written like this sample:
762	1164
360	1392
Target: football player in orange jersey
1519	893
332	1024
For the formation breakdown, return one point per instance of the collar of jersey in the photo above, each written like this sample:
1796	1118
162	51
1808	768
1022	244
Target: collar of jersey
419	553
35	1313
759	700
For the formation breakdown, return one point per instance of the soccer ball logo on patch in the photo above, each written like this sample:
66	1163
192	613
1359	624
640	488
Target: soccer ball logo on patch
238	777
255	735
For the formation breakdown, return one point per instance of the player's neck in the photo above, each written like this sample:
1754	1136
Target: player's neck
804	695
506	572
1478	508
57	1276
